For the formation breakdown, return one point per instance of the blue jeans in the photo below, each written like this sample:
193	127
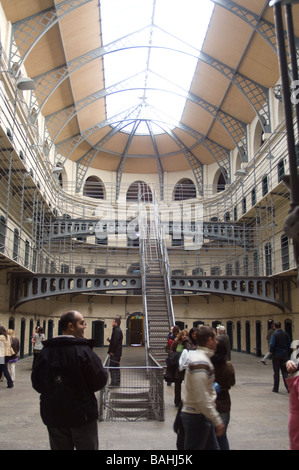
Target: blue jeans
4	370
199	432
222	440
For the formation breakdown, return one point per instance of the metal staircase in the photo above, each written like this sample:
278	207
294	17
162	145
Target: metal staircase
156	290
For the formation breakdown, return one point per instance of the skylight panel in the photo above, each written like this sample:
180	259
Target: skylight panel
121	17
186	20
156	73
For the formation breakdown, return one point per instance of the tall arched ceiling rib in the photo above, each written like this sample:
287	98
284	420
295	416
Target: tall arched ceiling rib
61	47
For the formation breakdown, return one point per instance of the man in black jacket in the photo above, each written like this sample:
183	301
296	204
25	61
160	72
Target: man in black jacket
280	347
67	374
115	352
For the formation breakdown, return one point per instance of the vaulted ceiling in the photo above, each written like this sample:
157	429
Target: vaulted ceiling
60	43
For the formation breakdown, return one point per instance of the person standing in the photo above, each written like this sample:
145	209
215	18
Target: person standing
179	344
15	344
225	378
268	354
280	347
221	334
115	352
5	354
201	421
37	340
174	331
67	373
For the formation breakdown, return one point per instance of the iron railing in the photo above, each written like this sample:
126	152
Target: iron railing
140	396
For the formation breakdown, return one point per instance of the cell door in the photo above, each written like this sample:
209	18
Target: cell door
98	333
258	338
247	332
136	331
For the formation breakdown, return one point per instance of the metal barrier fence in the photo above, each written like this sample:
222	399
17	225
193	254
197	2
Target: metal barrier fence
140	396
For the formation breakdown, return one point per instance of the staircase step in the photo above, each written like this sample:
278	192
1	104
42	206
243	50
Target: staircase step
130	405
133	414
129	395
156	302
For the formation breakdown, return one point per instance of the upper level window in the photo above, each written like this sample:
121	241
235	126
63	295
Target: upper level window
139	191
94	187
184	189
268	259
285	257
280	170
221	183
253	197
265	185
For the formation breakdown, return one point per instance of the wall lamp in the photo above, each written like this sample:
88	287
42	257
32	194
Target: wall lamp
25	83
242	173
57	170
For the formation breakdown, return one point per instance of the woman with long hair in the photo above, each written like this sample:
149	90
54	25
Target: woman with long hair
37	340
225	377
180	343
5	353
15	343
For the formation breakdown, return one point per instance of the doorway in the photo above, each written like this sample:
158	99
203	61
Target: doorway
215	324
229	330
288	326
135	329
22	338
180	324
258	338
198	324
239	336
247	336
98	333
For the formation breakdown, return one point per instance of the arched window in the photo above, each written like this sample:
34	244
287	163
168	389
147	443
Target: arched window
258	137
184	189
139	189
94	187
221	183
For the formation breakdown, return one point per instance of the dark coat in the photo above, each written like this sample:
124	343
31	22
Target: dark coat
66	374
225	377
116	341
280	343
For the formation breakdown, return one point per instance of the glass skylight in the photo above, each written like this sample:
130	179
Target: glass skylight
153	52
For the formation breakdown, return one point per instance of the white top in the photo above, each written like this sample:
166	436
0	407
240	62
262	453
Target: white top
198	394
38	341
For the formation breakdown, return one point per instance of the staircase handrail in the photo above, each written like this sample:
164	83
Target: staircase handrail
165	258
144	299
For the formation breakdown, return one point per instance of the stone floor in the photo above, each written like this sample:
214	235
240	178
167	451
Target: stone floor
259	417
